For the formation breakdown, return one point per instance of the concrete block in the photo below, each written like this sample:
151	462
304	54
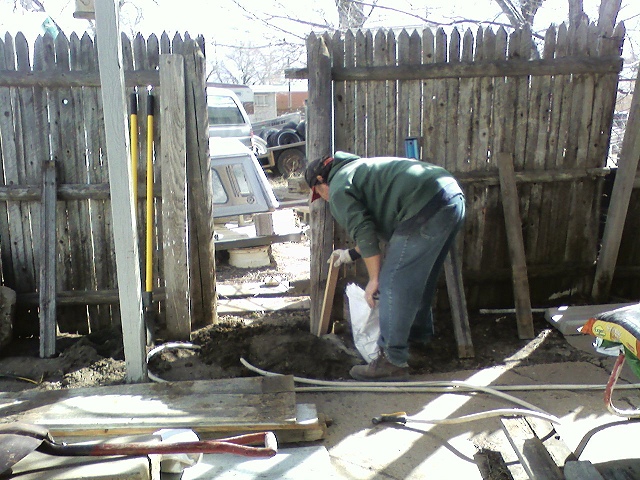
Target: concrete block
288	464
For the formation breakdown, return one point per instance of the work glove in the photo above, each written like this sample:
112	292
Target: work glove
343	256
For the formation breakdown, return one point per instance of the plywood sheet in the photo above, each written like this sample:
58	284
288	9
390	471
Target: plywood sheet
256	403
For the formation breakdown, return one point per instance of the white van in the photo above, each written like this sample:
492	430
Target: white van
227	116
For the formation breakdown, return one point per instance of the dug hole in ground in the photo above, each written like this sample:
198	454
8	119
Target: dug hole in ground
280	342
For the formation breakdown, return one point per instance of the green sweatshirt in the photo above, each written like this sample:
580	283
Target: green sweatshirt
369	197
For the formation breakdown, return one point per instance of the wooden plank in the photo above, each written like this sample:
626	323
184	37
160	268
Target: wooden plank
390	105
207	405
174	197
33	143
451	120
329	293
438	153
545	157
203	263
487	68
6	251
428	107
126	245
319	128
462	160
375	93
483	230
53	79
535	459
458	301
404	102
103	260
513	225
414	94
360	94
63	135
16	240
261	304
48	265
85	277
341	52
619	204
560	453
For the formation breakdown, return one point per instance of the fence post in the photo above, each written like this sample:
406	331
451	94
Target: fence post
202	263
174	197
122	209
319	128
617	213
47	249
513	225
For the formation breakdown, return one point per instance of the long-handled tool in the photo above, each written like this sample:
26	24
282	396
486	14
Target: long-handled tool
147	299
17	440
133	134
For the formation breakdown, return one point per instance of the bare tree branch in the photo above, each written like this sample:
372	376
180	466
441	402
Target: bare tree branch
266	23
511	12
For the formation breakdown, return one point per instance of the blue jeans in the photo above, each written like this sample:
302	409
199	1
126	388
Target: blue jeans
408	278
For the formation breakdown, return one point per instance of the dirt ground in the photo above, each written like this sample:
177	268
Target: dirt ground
273	341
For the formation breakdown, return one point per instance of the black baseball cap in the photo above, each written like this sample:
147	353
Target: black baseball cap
318	167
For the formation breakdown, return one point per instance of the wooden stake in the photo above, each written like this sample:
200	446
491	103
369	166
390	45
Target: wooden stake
329	293
513	224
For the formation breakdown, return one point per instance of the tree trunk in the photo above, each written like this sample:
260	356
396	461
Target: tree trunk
608	14
350	14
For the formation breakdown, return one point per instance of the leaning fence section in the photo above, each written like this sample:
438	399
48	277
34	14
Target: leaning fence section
51	111
468	96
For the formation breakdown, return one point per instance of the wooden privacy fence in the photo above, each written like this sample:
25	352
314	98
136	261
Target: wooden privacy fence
51	119
469	99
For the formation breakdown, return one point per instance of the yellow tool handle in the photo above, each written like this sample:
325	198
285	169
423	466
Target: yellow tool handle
133	135
149	239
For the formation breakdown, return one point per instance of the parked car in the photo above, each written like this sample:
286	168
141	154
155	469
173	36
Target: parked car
227	116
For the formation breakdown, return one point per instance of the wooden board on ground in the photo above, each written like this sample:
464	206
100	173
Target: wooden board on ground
256	304
533	456
329	293
569	319
206	406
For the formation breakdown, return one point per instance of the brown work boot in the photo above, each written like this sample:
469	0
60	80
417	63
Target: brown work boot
381	370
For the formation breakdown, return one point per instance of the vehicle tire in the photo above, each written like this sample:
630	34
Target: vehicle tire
287	137
290	161
264	134
301	129
272	138
289	126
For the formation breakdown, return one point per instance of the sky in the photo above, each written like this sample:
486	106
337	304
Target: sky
229	22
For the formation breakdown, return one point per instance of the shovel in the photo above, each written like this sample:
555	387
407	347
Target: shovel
17	440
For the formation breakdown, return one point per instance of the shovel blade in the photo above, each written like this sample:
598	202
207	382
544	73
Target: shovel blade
14	447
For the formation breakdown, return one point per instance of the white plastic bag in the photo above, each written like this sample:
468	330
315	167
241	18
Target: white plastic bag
177	462
365	323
